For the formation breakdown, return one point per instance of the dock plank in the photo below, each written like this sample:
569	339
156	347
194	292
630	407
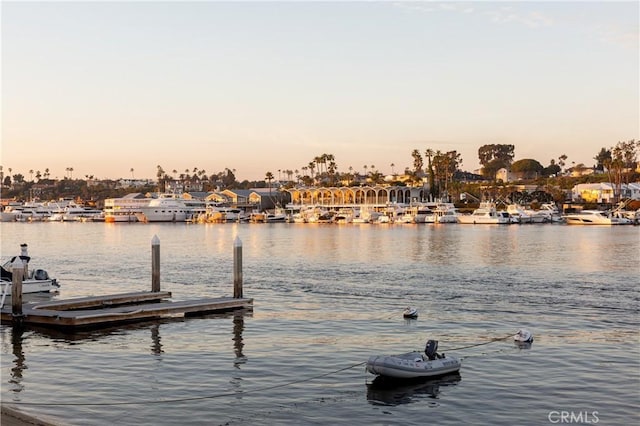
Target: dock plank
101	301
102	315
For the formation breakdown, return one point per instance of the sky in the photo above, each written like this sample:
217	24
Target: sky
257	87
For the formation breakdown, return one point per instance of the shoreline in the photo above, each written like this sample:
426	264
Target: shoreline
11	416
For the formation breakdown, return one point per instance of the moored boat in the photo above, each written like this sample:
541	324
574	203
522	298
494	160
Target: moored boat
35	281
594	217
413	365
486	213
165	208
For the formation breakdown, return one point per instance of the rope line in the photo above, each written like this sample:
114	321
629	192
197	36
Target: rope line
497	339
220	395
194	398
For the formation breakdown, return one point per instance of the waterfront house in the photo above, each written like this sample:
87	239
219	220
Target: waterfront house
604	192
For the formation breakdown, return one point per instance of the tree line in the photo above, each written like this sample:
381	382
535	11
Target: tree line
439	169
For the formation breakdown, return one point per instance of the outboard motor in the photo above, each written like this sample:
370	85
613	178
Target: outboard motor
431	350
40	274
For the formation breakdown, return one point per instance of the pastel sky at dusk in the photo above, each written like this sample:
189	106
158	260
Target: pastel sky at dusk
104	87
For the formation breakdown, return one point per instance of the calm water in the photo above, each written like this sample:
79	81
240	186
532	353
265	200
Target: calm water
325	298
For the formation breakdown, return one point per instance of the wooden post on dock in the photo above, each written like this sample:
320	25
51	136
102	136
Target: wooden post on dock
237	268
24	255
155	264
17	269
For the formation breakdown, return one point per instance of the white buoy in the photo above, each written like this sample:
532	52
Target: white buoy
523	335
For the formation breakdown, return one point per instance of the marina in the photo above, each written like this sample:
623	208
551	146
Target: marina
326	299
366	205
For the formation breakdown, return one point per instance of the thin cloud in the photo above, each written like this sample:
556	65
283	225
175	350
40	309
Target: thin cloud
508	14
429	7
616	35
501	15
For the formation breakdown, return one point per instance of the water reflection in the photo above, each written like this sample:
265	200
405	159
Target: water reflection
19	359
19	336
523	345
156	345
238	343
385	391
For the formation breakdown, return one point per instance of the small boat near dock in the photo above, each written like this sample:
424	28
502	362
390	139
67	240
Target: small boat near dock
35	281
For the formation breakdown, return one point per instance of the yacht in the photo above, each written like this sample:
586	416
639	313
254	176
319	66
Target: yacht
486	213
165	208
446	213
73	212
595	217
518	214
123	209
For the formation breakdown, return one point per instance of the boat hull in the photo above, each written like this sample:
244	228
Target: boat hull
411	366
33	286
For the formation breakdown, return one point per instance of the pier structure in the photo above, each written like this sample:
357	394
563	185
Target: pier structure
104	311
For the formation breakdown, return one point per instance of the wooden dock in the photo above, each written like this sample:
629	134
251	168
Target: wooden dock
106	311
103	311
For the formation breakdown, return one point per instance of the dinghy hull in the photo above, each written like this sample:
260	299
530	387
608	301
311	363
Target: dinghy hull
411	365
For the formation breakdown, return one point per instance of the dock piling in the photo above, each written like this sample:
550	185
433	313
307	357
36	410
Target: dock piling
155	264
17	270
24	255
237	268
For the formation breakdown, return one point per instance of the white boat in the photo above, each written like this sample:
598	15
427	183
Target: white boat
413	365
622	212
36	281
165	208
221	214
8	215
70	211
366	215
276	217
551	210
594	217
27	212
518	214
343	216
124	209
486	213
408	216
446	213
425	213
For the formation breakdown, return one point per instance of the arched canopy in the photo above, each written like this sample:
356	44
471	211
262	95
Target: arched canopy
353	196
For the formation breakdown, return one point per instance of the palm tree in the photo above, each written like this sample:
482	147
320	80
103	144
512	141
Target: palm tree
312	167
417	161
160	176
269	177
393	171
132	173
561	161
31	174
429	153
